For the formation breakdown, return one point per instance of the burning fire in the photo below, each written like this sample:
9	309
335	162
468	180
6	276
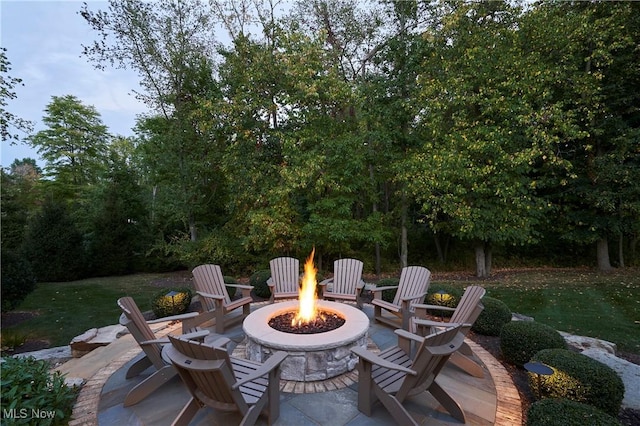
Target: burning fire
307	295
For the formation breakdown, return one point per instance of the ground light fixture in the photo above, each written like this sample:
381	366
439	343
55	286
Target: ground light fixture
539	370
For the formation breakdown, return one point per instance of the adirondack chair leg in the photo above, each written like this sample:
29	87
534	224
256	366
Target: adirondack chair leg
467	364
219	313
397	411
377	312
187	413
252	414
138	367
148	385
449	404
366	394
274	395
465	349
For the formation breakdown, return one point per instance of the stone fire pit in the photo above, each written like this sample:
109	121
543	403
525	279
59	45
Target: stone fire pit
311	356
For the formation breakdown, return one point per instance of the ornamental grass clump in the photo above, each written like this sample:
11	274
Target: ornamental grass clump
564	412
582	379
31	394
520	340
492	318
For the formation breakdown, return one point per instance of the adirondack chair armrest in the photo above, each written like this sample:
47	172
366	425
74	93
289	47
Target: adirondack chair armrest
221	342
360	285
413	296
196	335
377	291
325	282
372	358
435	307
215	297
160	341
270	282
404	334
246	289
174	318
240	286
273	362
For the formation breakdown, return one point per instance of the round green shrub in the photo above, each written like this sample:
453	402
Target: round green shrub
165	306
564	412
17	278
520	340
443	295
27	384
581	379
493	317
259	282
230	290
389	295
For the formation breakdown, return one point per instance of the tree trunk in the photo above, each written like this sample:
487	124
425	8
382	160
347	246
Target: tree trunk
602	252
403	236
481	271
192	228
483	259
436	239
375	210
621	250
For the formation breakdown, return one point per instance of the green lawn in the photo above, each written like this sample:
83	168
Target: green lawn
69	309
578	301
583	302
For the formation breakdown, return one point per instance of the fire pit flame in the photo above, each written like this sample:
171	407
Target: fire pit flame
307	311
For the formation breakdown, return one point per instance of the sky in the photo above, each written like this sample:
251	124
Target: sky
44	47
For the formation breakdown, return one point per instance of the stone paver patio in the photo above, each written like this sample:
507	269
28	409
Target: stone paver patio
490	400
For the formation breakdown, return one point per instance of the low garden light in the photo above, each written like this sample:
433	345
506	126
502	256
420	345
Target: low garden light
172	294
538	369
442	295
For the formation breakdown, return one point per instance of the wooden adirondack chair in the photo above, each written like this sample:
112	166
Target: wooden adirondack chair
394	374
346	283
284	282
225	383
414	282
467	311
139	328
216	303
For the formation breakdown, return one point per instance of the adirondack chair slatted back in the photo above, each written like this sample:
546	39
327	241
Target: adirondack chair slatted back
133	319
209	279
430	357
414	280
347	275
468	305
208	373
285	273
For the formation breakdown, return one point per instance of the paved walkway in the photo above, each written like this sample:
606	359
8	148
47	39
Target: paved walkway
486	401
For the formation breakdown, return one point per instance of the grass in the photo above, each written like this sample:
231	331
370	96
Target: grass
68	309
578	301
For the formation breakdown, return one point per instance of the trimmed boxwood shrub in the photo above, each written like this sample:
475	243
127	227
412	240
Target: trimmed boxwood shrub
259	282
165	306
494	316
582	379
564	412
389	295
520	340
450	298
27	384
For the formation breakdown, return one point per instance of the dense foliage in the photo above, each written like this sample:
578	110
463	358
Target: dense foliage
582	379
34	394
521	340
565	412
396	132
495	315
